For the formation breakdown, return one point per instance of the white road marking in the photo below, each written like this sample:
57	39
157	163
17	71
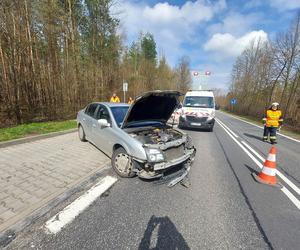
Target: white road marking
241	146
261	127
292	198
287	181
282	176
68	214
234	134
254	152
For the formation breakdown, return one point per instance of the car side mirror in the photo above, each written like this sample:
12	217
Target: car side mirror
103	123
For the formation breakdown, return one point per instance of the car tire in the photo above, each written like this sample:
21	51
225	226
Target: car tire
81	133
119	164
211	129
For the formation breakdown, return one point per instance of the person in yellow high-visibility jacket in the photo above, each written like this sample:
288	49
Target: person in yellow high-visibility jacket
130	100
272	121
114	98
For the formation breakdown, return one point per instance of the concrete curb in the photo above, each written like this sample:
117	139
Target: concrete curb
35	138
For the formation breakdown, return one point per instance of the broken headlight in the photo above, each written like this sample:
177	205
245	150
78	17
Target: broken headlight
154	155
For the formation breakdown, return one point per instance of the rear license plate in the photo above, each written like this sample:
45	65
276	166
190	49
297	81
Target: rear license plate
195	124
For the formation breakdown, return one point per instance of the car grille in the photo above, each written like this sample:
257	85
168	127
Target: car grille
196	119
174	153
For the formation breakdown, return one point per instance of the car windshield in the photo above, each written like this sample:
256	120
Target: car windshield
198	101
119	114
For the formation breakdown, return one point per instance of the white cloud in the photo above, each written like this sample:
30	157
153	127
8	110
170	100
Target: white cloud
171	25
190	12
226	45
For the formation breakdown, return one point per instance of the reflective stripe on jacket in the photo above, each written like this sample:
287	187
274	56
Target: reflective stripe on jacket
273	118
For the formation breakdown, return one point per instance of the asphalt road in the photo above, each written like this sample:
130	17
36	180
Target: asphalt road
224	208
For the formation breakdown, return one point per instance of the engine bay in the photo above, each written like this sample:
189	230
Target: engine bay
156	135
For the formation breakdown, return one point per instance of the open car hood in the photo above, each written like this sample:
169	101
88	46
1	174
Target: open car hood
152	106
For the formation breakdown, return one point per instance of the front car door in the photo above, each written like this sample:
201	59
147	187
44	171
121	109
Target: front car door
102	135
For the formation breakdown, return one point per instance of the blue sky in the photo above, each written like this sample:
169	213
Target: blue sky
212	33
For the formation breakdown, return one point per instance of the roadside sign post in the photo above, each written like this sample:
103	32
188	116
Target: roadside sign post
125	89
233	102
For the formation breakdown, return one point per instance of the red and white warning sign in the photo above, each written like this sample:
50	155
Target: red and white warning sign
201	73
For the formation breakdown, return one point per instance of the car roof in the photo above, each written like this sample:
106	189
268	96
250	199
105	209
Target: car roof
112	104
200	93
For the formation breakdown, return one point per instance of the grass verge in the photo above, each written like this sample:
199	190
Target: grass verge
284	130
36	128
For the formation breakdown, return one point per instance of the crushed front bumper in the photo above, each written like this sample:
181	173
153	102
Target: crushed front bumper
180	168
181	177
190	154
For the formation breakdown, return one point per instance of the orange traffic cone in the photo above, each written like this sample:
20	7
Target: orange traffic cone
268	173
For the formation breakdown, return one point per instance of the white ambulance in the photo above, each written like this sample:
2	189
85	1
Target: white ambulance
198	110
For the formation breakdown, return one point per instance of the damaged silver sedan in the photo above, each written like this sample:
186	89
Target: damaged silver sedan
137	137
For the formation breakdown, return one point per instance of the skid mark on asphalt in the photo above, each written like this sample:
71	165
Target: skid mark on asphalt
254	156
292	198
256	220
265	156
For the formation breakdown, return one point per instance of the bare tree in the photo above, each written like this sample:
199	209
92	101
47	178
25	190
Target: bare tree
183	75
267	72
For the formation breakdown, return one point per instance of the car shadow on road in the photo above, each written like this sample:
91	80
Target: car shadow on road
253	136
167	236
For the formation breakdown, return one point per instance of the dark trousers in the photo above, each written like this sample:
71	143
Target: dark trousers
270	131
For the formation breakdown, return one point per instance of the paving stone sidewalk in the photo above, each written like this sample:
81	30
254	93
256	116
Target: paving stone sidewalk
34	173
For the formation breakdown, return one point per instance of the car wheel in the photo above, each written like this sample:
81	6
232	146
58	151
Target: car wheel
122	163
211	129
81	133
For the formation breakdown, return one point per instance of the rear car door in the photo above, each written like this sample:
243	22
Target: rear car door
90	120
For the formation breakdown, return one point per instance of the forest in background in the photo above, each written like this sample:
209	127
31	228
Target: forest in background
268	72
56	56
